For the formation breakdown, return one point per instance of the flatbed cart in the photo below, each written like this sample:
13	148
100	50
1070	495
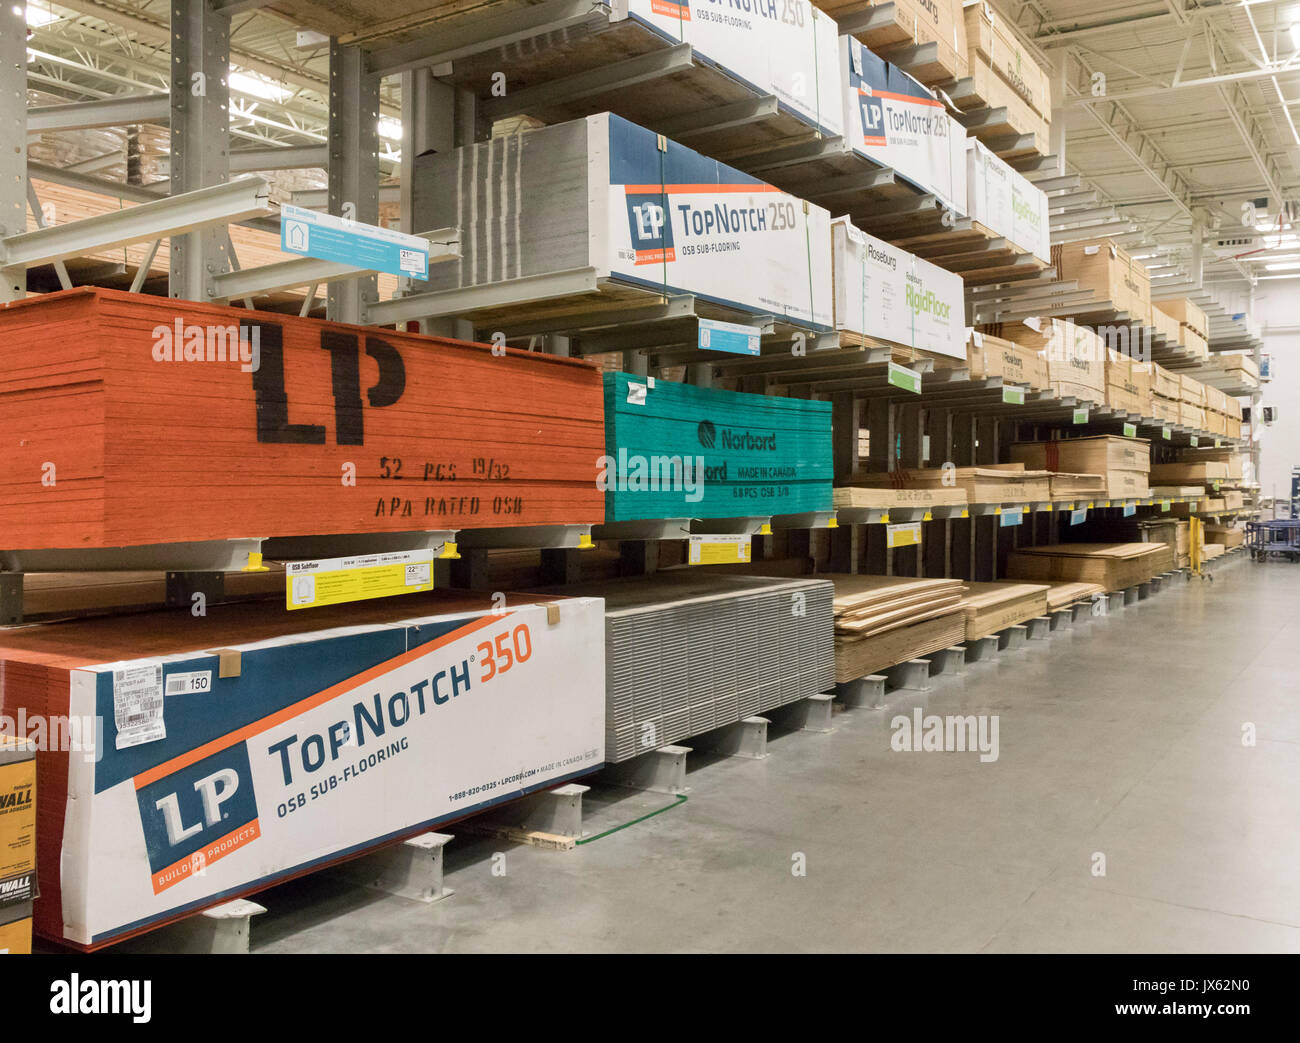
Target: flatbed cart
1278	536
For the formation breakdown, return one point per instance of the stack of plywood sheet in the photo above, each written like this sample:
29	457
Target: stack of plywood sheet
1226	536
888	498
990	607
646	215
883	293
1112	565
1110	272
688	651
1166	389
931	33
990	356
1193	323
1067	486
1129	384
678	451
1005	483
134	420
394	717
1075	355
1004	74
1064	594
1123	463
1173	533
884	620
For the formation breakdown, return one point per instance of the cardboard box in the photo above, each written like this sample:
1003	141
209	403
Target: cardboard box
1187	313
1109	271
598	192
892	120
17	830
16	936
934	24
1097	454
1006	202
884	292
997	42
990	356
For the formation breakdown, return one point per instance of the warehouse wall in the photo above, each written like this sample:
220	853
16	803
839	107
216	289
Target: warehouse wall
1277	310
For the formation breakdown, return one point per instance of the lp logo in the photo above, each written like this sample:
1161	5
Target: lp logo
873	114
184	812
649	220
213	791
272	397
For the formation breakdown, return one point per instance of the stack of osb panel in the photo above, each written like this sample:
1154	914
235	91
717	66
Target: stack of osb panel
136	420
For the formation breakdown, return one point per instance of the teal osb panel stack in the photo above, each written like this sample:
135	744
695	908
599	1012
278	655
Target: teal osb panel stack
761	455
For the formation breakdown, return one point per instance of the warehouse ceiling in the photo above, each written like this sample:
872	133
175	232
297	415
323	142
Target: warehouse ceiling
1179	113
1182	114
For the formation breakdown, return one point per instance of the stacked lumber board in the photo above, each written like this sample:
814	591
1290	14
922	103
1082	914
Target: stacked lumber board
1124	464
1226	536
887	294
1112	565
689	651
1064	594
990	607
884	620
599	193
370	721
1166	391
1006	483
1129	383
888	498
677	451
50	594
147	447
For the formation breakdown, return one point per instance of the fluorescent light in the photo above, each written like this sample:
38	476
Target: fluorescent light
257	86
1295	34
390	128
1287	266
37	17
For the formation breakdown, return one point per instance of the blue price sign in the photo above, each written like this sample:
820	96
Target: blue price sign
330	238
729	336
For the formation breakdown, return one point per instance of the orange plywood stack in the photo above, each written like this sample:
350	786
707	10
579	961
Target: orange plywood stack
110	437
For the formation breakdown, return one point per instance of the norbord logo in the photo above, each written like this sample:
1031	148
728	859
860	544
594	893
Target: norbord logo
74	996
930	733
188	342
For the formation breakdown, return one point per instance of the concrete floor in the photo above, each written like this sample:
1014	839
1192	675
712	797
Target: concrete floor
1121	736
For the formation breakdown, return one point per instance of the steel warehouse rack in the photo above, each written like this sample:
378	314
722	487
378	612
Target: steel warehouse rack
547	148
